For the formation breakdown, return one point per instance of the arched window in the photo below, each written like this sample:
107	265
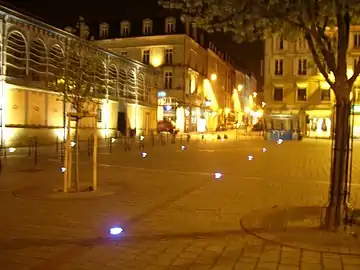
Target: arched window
37	60
132	84
16	55
74	68
56	67
140	87
122	83
112	81
100	78
147	88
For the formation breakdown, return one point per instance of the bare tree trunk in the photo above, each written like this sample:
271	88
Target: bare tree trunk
77	180
339	166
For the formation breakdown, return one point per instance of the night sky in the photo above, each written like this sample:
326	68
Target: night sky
66	12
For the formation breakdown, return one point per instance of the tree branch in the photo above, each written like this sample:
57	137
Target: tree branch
315	54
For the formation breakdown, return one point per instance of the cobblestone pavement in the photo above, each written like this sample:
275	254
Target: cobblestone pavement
175	215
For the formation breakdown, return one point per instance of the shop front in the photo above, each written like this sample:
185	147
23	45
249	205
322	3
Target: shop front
281	126
355	120
319	123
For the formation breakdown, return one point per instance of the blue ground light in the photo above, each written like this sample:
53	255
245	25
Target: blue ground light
115	231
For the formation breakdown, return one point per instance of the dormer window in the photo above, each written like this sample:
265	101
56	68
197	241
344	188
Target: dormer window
170	25
147	27
104	30
125	28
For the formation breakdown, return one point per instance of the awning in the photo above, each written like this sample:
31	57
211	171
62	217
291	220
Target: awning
319	113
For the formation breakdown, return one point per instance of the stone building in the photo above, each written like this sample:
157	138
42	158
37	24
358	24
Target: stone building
38	64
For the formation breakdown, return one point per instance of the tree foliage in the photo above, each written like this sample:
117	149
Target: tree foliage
79	83
325	24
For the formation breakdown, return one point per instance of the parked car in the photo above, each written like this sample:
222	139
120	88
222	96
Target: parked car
257	127
165	126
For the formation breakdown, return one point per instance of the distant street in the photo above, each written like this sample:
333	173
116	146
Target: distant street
175	215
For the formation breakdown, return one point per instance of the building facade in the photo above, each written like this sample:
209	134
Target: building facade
39	61
295	92
196	81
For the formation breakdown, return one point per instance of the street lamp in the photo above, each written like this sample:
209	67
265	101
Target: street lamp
240	87
254	94
213	77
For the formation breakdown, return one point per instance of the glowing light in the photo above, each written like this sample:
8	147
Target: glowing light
264	150
210	95
222	140
183	147
141	138
208	103
227	110
60	133
279	141
12	149
263	104
63	169
115	231
254	94
213	77
72	144
240	87
113	140
250	157
144	154
217	175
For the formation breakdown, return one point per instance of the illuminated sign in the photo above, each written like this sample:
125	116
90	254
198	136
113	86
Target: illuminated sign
161	94
356	109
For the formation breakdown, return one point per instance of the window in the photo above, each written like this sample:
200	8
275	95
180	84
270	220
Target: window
279	67
104	30
278	94
170	24
281	43
146	57
357	40
147	27
125	28
99	115
325	94
124	53
356	61
168	56
302	67
168	80
301	44
301	94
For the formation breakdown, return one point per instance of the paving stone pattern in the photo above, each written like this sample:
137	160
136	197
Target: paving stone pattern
175	215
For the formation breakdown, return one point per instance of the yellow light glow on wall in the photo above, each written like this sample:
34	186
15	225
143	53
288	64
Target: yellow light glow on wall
210	95
324	85
192	83
157	57
213	77
251	102
236	99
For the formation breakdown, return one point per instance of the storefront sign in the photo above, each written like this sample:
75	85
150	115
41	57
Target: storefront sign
356	109
161	94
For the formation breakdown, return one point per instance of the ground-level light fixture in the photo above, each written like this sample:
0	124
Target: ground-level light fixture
217	175
115	230
12	149
144	154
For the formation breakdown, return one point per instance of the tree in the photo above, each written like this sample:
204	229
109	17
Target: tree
80	90
325	25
